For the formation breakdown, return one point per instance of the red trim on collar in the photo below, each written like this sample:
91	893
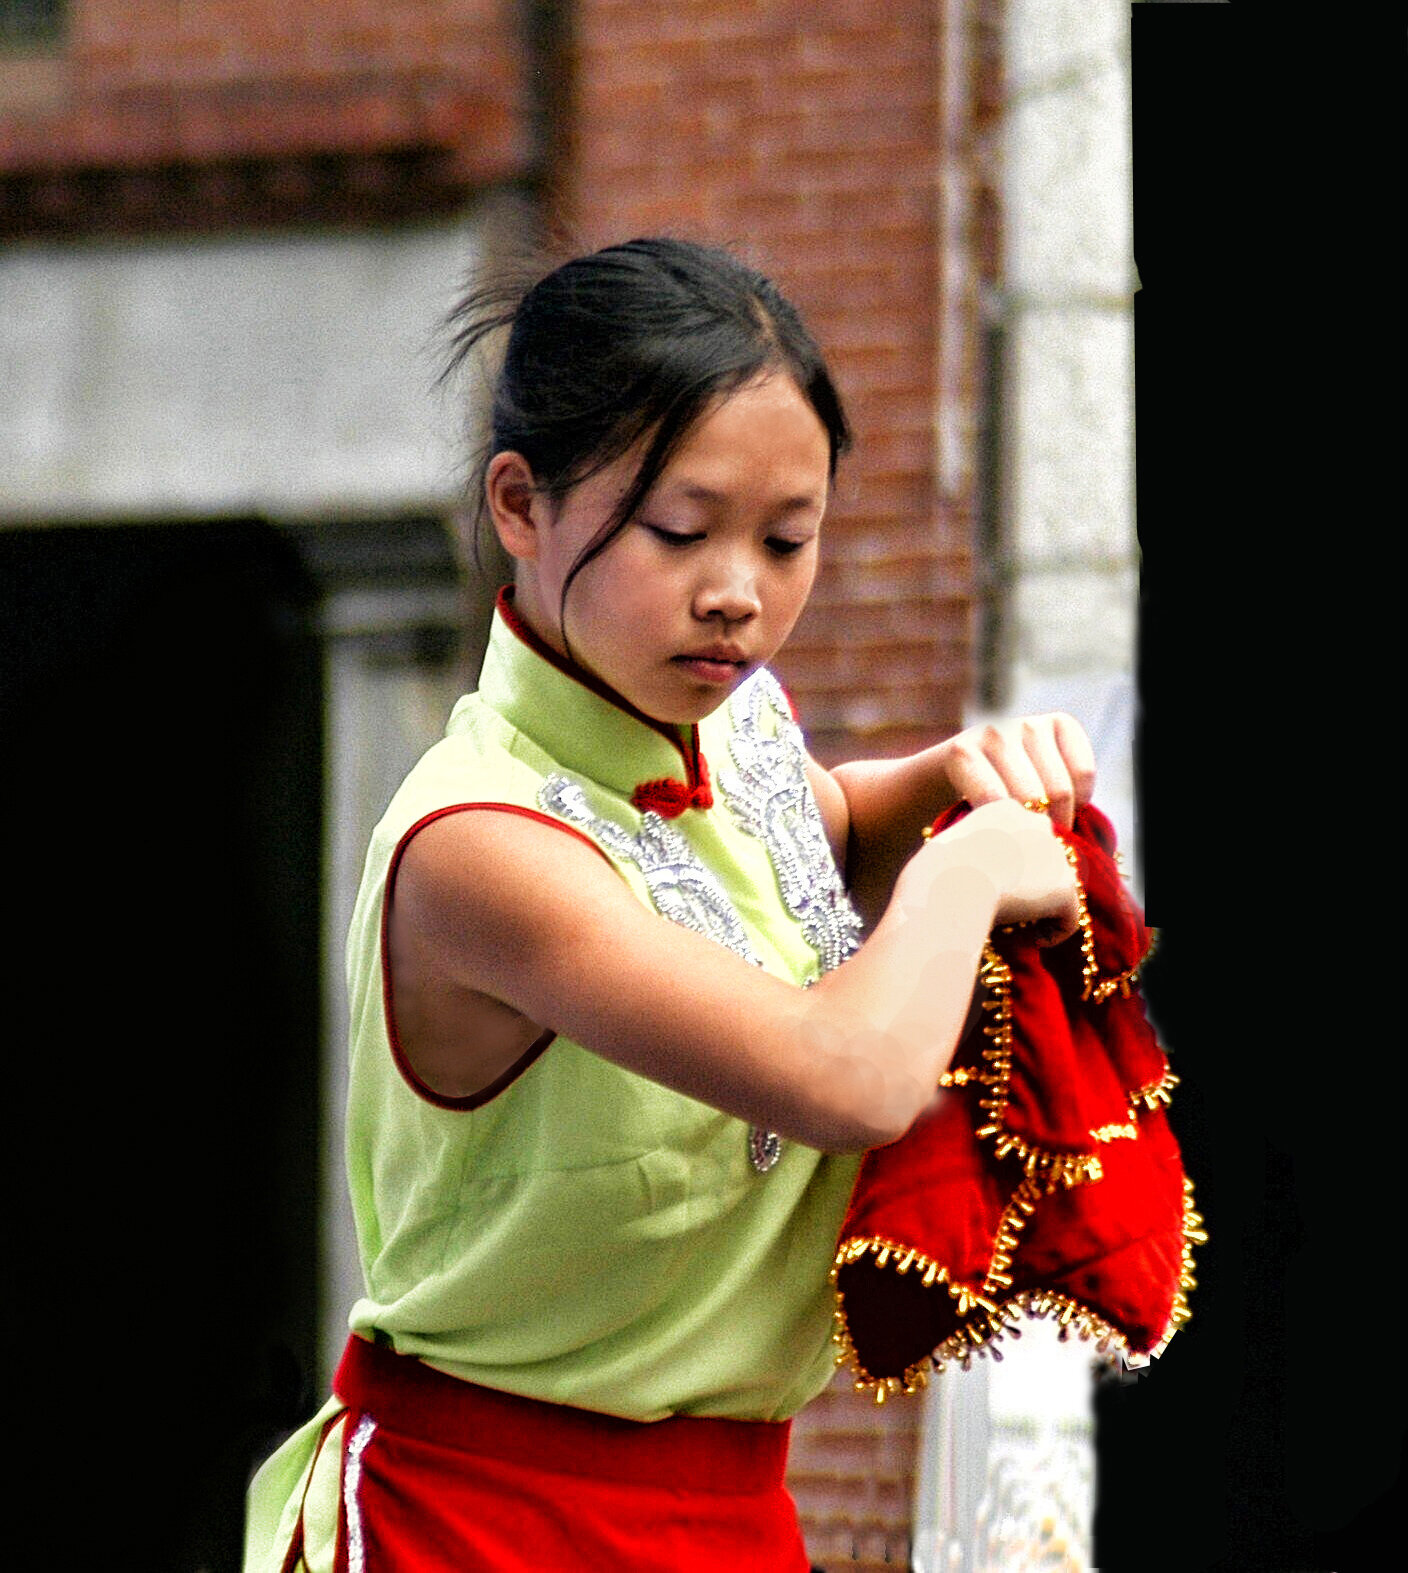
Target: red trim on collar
696	782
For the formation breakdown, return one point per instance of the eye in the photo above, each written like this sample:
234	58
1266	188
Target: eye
780	546
674	538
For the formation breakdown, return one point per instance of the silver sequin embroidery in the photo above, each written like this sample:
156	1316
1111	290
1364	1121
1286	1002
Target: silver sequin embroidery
771	799
352	1503
681	887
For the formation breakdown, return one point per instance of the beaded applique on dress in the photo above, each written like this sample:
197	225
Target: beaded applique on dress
772	800
680	886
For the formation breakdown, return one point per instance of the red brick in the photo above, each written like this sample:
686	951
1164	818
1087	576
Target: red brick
231	79
836	176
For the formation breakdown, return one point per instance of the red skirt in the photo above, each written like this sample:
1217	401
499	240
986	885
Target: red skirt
442	1476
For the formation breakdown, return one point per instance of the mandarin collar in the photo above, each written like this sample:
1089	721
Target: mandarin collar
585	725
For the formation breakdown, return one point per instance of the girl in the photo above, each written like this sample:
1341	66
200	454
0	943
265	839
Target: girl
598	1160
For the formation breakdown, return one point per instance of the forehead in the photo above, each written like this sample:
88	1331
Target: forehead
765	434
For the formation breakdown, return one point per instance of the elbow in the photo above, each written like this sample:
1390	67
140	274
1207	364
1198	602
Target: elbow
866	1108
849	1136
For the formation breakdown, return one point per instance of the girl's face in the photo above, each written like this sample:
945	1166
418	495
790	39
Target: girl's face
704	584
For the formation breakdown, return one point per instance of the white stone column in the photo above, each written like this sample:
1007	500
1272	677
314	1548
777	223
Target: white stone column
1068	385
1006	1478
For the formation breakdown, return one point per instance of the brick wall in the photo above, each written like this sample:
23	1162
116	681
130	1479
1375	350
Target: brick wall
808	135
815	137
851	1471
160	114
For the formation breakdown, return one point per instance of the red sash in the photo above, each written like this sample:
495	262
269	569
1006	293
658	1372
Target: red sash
440	1476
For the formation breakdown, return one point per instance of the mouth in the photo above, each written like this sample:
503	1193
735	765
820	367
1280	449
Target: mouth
715	665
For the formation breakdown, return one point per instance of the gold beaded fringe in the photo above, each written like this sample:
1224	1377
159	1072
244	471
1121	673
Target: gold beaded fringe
994	1320
1044	1171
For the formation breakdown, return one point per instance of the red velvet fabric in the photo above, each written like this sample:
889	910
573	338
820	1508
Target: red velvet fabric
1045	1179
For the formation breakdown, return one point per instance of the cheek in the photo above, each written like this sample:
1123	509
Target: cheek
645	576
620	589
799	586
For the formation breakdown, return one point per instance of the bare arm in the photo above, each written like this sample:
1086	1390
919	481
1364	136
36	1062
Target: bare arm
515	910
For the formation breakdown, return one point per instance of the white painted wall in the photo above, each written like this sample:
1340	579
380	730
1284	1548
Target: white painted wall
275	375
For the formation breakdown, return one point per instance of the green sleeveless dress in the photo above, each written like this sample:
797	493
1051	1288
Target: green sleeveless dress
584	1236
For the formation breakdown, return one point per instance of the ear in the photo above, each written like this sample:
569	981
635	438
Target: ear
514	504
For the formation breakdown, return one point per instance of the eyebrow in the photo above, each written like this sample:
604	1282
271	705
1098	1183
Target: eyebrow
693	491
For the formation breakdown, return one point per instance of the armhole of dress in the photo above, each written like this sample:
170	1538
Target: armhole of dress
474	1100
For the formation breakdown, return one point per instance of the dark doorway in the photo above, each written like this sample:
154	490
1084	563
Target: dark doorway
161	715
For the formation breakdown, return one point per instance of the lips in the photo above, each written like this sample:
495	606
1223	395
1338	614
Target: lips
728	653
716	664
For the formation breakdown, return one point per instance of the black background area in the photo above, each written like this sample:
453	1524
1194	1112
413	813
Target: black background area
160	698
1267	167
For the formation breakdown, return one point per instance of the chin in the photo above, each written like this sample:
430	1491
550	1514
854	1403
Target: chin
682	703
678	714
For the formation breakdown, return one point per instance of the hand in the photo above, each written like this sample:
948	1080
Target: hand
1026	862
1045	756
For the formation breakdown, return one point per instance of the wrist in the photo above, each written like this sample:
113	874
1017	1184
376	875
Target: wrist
955	883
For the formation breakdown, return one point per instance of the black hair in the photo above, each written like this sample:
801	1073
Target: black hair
627	345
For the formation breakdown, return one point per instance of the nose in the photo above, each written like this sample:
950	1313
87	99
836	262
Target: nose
727	590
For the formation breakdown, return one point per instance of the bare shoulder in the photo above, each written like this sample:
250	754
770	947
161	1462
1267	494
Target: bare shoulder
474	883
462	883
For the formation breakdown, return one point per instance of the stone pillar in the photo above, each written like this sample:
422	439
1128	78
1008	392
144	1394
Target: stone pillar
1006	1481
1066	488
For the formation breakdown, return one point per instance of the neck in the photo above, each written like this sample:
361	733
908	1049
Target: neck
544	631
508	608
667	794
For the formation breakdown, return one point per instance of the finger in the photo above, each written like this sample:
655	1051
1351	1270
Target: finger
1057	927
1050	932
971	772
1079	755
1047	932
1007	750
1042	748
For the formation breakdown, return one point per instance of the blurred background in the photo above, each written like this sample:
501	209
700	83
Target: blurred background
240	595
